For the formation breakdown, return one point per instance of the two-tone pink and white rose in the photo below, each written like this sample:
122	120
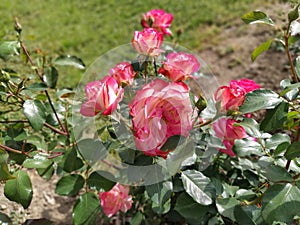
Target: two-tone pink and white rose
232	96
179	66
160	110
228	131
102	96
123	73
159	20
116	199
147	42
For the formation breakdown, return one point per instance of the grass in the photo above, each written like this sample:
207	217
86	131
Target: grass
90	28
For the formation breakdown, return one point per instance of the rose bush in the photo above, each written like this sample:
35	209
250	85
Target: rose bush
157	151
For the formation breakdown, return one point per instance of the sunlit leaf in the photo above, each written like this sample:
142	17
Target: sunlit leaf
34	111
257	17
8	49
4	172
260	49
70	60
69	184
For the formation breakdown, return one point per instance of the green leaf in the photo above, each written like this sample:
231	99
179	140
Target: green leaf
275	118
176	158
34	111
276	173
226	206
69	60
281	202
257	17
51	76
247	147
8	49
191	210
37	87
92	150
293	151
260	99
4	172
276	140
251	127
86	209
196	184
69	184
19	190
137	219
290	90
172	143
46	173
99	182
160	194
249	215
39	160
70	161
260	49
4	219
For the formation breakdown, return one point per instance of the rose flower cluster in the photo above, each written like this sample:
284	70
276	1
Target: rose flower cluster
162	107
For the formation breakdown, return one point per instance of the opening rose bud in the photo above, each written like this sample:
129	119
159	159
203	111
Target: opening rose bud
232	96
179	66
147	42
102	96
123	73
158	19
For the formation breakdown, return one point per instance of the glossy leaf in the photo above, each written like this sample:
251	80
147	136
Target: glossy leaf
297	66
172	143
19	190
70	161
290	91
195	183
276	140
276	173
92	150
275	118
257	17
250	215
247	147
293	151
69	184
46	173
226	206
260	99
34	111
69	60
37	87
86	209
251	127
8	49
39	160
98	182
260	49
192	211
4	172
50	76
160	194
281	202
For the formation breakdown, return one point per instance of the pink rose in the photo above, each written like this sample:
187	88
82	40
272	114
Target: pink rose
147	42
102	96
116	199
179	66
228	130
123	73
230	98
159	20
160	110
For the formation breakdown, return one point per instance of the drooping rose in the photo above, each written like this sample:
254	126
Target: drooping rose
116	199
179	66
160	110
159	20
232	96
228	131
102	96
147	42
123	73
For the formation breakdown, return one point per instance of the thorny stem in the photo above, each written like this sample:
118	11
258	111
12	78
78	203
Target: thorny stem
65	131
9	149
